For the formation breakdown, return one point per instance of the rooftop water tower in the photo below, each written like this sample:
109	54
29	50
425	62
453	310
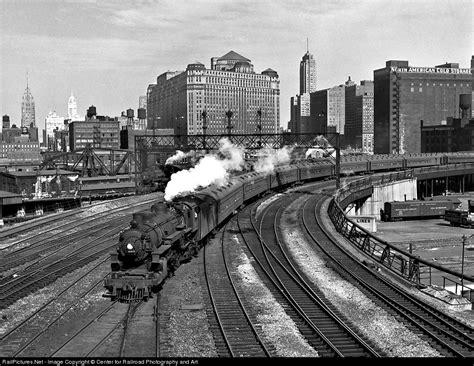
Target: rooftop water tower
465	105
130	115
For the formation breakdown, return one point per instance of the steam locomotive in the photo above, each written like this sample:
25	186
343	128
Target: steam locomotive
170	233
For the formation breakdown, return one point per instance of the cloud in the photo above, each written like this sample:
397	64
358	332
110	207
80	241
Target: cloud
80	53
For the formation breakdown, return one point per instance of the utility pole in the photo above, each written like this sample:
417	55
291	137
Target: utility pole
464	239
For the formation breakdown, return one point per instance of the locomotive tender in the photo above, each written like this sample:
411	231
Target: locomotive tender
170	233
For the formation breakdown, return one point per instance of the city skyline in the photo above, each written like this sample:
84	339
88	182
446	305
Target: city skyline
108	52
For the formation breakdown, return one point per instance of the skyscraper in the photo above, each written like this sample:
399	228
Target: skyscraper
300	117
178	100
359	115
307	74
72	109
51	123
28	108
327	111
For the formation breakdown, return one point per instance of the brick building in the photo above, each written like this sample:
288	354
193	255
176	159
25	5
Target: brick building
404	95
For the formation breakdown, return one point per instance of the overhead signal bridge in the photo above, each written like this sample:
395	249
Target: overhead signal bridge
148	148
211	142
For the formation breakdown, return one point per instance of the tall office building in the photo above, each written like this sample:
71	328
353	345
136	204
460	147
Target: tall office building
293	114
72	109
28	108
52	123
404	95
328	111
179	99
300	121
359	116
307	74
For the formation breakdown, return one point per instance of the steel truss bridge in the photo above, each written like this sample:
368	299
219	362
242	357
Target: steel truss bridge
147	146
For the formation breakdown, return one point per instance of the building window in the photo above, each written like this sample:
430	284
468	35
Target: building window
420	90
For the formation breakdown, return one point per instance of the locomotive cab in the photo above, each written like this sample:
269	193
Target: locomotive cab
190	214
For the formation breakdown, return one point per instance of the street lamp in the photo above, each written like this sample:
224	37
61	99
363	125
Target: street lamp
464	239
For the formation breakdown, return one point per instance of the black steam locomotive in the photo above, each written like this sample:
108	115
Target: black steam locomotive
160	239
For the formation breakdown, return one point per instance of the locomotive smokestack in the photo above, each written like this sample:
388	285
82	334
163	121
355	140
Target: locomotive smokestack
159	208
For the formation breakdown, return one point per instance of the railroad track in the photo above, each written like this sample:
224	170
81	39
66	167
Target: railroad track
94	332
119	330
26	339
446	334
233	326
57	221
325	329
110	329
54	267
48	248
70	254
59	233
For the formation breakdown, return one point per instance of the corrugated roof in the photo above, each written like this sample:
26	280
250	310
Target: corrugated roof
233	56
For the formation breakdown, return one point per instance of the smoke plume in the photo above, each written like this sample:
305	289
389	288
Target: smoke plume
212	169
178	156
270	158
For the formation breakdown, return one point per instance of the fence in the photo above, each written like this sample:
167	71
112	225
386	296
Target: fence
411	267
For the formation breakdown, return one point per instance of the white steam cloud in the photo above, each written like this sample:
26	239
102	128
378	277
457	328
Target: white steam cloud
270	158
321	148
212	169
178	156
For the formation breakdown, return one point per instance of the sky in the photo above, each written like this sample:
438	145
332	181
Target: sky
108	52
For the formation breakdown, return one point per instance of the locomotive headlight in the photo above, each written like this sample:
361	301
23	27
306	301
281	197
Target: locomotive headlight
129	247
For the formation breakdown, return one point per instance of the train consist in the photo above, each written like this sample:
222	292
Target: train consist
170	233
